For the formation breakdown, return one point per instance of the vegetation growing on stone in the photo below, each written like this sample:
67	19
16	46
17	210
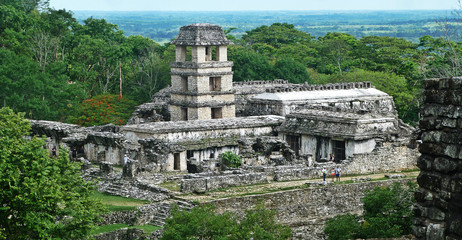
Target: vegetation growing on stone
203	223
387	213
231	159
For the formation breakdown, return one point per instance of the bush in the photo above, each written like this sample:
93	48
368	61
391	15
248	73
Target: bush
231	160
203	223
343	227
387	214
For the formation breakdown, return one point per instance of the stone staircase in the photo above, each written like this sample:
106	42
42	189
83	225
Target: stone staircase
133	189
156	214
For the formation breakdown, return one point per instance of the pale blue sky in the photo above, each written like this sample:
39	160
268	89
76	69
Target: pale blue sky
238	5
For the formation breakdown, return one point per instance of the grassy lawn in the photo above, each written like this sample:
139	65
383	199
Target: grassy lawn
118	203
113	227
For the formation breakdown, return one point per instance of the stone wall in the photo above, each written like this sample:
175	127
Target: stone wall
201	184
389	157
306	210
439	200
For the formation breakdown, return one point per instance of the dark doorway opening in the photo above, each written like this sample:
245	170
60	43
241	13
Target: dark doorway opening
339	150
294	143
176	161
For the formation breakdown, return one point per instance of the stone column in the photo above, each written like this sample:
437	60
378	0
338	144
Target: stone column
130	169
438	212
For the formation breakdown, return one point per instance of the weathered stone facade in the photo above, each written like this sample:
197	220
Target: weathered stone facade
439	199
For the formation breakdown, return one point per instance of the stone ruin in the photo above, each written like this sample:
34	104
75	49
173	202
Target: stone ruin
438	213
282	131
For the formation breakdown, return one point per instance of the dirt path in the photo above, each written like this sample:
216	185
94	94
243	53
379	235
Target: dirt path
274	187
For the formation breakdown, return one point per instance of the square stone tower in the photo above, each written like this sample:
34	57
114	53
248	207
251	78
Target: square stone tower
202	86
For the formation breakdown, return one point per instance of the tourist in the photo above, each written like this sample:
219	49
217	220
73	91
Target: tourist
74	153
324	173
126	158
331	157
337	172
332	173
53	152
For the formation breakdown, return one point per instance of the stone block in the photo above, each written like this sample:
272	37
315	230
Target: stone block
448	122
455	185
445	165
432	149
432	136
455	83
419	231
431	83
436	214
455	225
435	96
435	232
452	150
429	180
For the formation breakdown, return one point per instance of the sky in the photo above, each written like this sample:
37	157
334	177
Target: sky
246	5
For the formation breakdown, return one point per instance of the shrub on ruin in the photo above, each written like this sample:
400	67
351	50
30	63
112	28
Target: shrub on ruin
202	222
387	213
231	159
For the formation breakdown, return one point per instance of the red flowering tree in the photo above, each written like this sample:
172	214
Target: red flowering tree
104	109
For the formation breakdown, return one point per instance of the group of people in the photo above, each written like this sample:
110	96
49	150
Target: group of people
334	171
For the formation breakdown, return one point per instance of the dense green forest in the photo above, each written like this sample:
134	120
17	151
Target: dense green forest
54	67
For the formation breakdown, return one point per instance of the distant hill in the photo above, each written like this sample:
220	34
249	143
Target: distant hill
162	26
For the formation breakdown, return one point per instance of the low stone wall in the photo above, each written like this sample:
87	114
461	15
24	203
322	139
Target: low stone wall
306	210
129	234
297	174
204	184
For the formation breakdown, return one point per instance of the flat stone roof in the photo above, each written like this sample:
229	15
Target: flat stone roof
205	125
201	34
341	116
321	94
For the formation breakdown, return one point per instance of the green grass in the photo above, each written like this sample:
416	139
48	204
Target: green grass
113	227
118	203
171	185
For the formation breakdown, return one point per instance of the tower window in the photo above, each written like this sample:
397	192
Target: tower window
184	83
217	113
211	53
184	114
214	83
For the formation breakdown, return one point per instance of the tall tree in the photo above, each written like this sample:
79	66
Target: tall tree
41	197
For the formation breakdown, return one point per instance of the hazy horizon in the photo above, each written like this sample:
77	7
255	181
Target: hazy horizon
256	5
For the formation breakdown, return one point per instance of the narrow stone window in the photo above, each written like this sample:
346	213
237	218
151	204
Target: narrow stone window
339	150
211	53
214	83
189	154
188	53
176	161
217	113
294	143
184	83
184	114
